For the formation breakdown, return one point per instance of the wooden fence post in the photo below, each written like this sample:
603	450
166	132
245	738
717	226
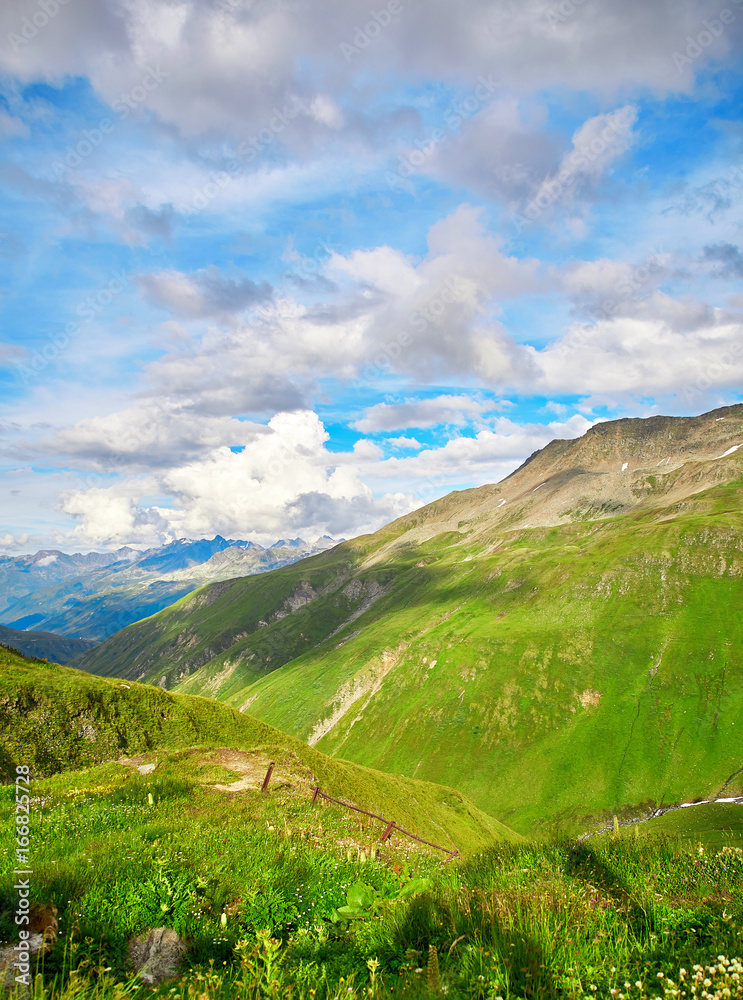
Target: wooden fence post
264	786
315	793
388	832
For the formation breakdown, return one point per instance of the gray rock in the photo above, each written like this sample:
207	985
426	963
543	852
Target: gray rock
9	970
156	956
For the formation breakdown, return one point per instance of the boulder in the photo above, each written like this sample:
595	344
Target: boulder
156	956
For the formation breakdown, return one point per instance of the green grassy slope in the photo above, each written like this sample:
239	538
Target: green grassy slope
251	882
56	719
558	672
94	603
223	615
584	669
554	673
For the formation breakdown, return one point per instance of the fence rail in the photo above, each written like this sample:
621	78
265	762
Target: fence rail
390	826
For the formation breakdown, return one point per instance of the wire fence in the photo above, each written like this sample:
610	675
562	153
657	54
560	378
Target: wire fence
390	826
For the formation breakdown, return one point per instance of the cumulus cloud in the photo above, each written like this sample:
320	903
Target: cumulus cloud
286	480
657	345
502	151
595	146
154	434
282	477
604	287
424	318
405	442
108	516
437	316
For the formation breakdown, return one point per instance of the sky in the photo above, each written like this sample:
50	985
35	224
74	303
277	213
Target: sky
280	268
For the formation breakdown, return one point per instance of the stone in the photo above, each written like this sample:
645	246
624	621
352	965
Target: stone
156	956
8	963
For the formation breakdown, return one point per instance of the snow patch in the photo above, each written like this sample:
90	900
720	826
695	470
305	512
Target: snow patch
500	504
625	466
729	451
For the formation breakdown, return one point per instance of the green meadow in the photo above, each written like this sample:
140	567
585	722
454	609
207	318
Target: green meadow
151	815
275	897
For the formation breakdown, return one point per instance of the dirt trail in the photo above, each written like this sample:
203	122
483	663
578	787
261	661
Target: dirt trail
253	766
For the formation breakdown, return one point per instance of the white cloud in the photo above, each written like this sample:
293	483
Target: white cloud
425	319
109	516
282	478
204	293
657	345
13	543
286	480
441	318
324	110
457	410
11	126
595	146
485	457
405	442
154	434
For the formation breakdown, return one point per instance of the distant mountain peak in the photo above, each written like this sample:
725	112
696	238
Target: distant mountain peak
293	543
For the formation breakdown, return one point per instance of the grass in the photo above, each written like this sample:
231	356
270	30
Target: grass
253	883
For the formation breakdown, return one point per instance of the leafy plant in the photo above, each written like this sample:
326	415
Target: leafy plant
364	900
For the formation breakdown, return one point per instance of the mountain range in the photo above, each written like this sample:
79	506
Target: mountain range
562	646
91	596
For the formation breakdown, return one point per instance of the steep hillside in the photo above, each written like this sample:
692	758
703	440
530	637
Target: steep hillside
58	719
44	645
560	646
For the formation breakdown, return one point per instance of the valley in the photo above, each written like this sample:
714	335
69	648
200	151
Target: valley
562	647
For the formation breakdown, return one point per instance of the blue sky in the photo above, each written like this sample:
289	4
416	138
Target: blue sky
296	269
